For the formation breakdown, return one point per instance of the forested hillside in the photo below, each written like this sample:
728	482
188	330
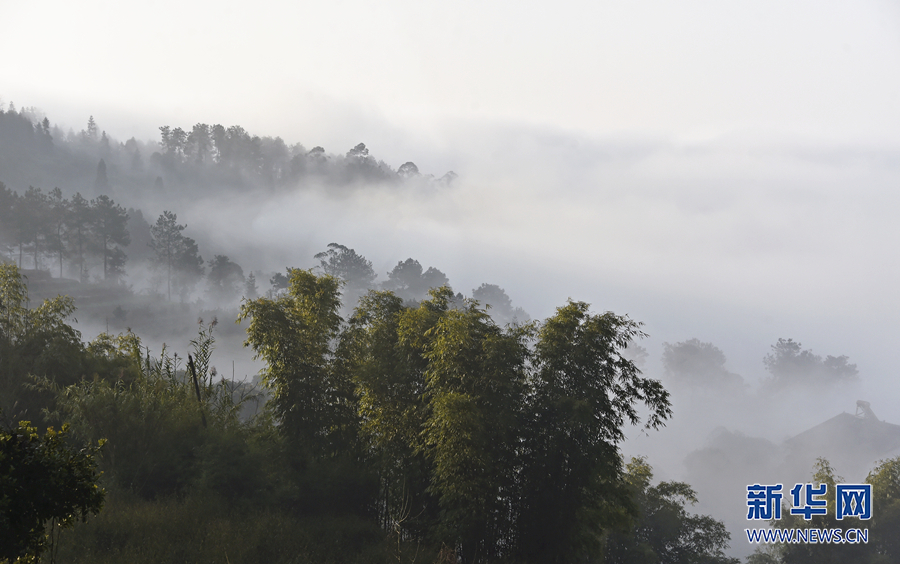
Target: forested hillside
70	210
409	430
395	417
182	163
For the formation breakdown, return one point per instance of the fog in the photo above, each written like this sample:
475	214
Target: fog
721	173
728	241
736	240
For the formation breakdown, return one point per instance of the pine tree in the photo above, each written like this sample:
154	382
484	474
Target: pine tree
101	181
111	232
177	253
167	241
251	291
90	134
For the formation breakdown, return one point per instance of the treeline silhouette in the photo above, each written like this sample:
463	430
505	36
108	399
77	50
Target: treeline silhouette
203	158
395	419
408	430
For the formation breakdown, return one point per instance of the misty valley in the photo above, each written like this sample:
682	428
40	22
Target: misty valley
159	405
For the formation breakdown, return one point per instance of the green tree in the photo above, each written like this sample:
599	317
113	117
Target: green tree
663	531
42	481
389	376
344	263
475	387
491	445
809	553
585	390
293	333
409	281
312	396
790	365
884	527
177	254
152	426
225	278
162	429
37	341
501	443
694	363
111	232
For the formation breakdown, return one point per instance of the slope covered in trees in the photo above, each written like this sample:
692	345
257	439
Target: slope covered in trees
401	411
181	163
427	422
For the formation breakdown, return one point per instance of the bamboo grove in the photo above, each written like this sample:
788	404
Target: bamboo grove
497	442
409	431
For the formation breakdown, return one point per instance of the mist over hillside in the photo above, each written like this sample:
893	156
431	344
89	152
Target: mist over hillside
548	216
724	174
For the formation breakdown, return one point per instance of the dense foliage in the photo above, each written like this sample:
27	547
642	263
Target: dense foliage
417	429
482	437
42	481
417	425
663	530
790	365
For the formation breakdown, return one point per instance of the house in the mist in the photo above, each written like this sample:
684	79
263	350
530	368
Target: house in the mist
852	443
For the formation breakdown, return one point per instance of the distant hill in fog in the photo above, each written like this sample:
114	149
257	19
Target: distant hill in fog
201	158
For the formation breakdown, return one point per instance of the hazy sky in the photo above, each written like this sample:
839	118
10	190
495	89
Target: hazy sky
720	170
817	69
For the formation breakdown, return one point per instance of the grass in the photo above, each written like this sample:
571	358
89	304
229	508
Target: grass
204	529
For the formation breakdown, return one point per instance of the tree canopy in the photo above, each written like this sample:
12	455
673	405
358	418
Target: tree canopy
175	253
695	363
226	279
791	365
46	225
663	530
42	480
411	282
345	263
501	441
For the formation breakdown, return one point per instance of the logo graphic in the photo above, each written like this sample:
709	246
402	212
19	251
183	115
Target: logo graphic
764	502
808	500
812	506
854	500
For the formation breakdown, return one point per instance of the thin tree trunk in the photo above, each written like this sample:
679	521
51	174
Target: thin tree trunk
59	241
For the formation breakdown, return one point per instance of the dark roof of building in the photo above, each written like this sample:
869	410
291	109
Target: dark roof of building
848	441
